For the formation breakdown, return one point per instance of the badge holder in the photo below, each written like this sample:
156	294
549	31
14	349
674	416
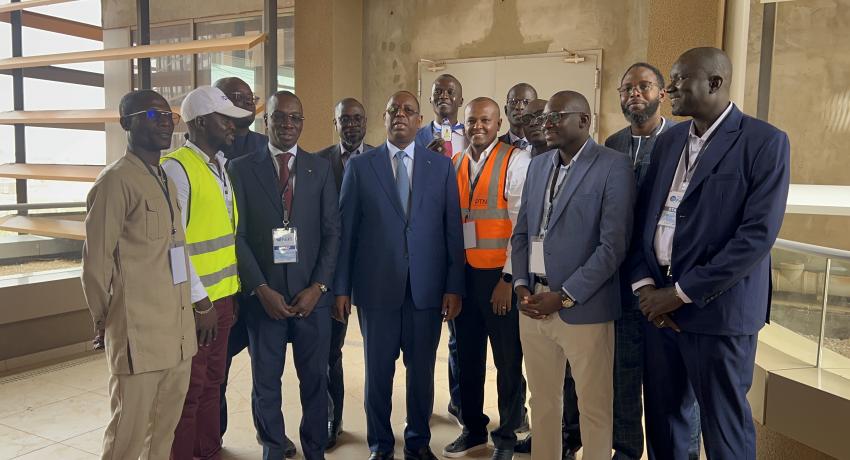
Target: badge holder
537	264
470	240
285	244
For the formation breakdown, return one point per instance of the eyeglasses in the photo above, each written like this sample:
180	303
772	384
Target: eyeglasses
515	101
556	117
531	119
157	115
346	120
393	110
643	87
278	118
238	98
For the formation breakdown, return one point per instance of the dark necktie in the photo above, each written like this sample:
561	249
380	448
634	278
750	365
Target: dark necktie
283	178
520	143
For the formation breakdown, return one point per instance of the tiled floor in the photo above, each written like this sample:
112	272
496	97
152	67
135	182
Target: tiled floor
60	412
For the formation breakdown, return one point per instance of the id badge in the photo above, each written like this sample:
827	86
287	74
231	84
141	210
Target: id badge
446	133
469	239
285	245
668	216
537	264
179	271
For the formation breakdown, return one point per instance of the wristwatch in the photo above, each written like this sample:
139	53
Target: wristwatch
321	287
507	277
566	301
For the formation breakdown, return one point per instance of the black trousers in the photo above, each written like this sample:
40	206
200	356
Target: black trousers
475	324
336	386
236	342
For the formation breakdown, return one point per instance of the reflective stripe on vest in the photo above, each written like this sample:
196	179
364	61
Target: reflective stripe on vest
210	240
487	207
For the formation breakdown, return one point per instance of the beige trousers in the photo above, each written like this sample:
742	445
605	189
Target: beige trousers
145	410
547	345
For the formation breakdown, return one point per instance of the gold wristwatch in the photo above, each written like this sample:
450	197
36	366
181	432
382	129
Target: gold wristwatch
321	287
566	301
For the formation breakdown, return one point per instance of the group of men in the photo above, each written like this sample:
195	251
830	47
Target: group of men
635	271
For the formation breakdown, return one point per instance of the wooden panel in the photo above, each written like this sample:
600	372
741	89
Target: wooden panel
57	25
62	75
112	54
75	173
29	4
45	226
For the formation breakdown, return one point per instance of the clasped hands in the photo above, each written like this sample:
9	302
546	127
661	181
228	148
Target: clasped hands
276	307
656	303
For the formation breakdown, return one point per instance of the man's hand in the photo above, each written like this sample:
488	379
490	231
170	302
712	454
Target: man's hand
206	324
306	300
451	306
342	308
273	303
437	145
99	342
656	302
540	306
501	298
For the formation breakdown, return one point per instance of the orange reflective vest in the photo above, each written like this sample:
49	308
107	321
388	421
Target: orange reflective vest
483	201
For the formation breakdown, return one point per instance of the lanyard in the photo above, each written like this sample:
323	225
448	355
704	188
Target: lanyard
474	184
554	192
162	181
690	169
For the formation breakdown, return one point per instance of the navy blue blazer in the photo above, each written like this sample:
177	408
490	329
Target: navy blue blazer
315	213
726	223
425	135
380	247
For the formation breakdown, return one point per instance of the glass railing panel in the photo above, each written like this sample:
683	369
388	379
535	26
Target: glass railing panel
836	341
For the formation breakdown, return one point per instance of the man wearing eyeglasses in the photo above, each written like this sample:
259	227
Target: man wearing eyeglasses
401	261
571	235
350	124
445	134
532	126
209	216
287	242
517	100
134	276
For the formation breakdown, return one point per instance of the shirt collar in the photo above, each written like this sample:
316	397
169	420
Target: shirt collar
276	151
556	158
708	132
409	150
514	137
438	126
219	156
484	155
357	151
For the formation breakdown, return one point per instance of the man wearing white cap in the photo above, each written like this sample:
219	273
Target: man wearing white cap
209	215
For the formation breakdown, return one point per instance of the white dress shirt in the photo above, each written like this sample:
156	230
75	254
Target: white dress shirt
274	151
663	240
459	142
408	159
514	181
176	172
356	152
515	138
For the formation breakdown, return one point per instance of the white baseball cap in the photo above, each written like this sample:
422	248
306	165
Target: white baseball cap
205	100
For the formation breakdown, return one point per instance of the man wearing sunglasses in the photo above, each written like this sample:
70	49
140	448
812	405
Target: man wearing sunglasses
517	100
134	279
401	261
350	124
209	216
287	241
571	235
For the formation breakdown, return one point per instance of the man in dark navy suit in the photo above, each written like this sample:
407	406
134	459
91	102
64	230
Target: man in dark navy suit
708	214
402	263
280	190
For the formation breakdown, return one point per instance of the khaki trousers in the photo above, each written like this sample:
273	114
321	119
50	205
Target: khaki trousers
145	410
548	344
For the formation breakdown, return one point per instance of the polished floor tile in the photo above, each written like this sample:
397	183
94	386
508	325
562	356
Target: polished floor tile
14	443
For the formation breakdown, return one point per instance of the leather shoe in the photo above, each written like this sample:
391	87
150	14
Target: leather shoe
378	455
424	453
569	454
289	450
334	430
523	446
502	454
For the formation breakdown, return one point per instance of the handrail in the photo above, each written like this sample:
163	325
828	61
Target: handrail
28	206
807	248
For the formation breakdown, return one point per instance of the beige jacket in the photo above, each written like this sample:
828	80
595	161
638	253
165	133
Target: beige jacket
127	272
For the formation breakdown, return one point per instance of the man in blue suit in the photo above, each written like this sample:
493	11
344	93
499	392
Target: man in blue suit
708	214
401	262
570	238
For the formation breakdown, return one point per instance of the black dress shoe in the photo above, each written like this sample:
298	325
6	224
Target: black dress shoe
424	453
523	446
334	430
289	450
381	456
502	454
569	454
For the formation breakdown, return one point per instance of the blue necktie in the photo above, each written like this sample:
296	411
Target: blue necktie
520	143
402	181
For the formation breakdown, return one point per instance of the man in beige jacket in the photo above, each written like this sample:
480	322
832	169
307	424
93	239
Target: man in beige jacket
134	277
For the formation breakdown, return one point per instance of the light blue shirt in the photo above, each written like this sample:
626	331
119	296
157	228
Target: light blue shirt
408	159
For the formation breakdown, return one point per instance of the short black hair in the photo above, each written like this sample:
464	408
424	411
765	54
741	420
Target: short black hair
645	65
132	101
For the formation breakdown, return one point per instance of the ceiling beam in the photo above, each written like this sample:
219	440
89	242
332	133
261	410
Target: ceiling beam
57	25
61	75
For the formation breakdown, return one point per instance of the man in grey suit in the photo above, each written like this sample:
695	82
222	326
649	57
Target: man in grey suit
350	124
571	235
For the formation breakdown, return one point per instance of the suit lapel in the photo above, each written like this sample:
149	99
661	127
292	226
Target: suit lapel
537	194
380	162
576	174
421	173
717	148
264	171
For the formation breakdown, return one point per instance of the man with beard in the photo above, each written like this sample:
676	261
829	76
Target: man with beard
518	98
350	124
287	242
209	216
445	134
641	94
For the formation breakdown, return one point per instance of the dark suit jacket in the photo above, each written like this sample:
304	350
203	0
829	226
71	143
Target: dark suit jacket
381	250
315	215
726	223
425	135
506	138
588	234
333	155
246	145
621	141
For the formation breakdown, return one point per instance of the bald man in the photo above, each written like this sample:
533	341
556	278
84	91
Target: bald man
518	98
571	235
490	177
708	213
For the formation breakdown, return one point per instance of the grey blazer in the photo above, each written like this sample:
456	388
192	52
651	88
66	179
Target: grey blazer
588	234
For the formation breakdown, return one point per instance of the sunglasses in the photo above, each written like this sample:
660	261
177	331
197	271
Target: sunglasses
157	115
556	117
